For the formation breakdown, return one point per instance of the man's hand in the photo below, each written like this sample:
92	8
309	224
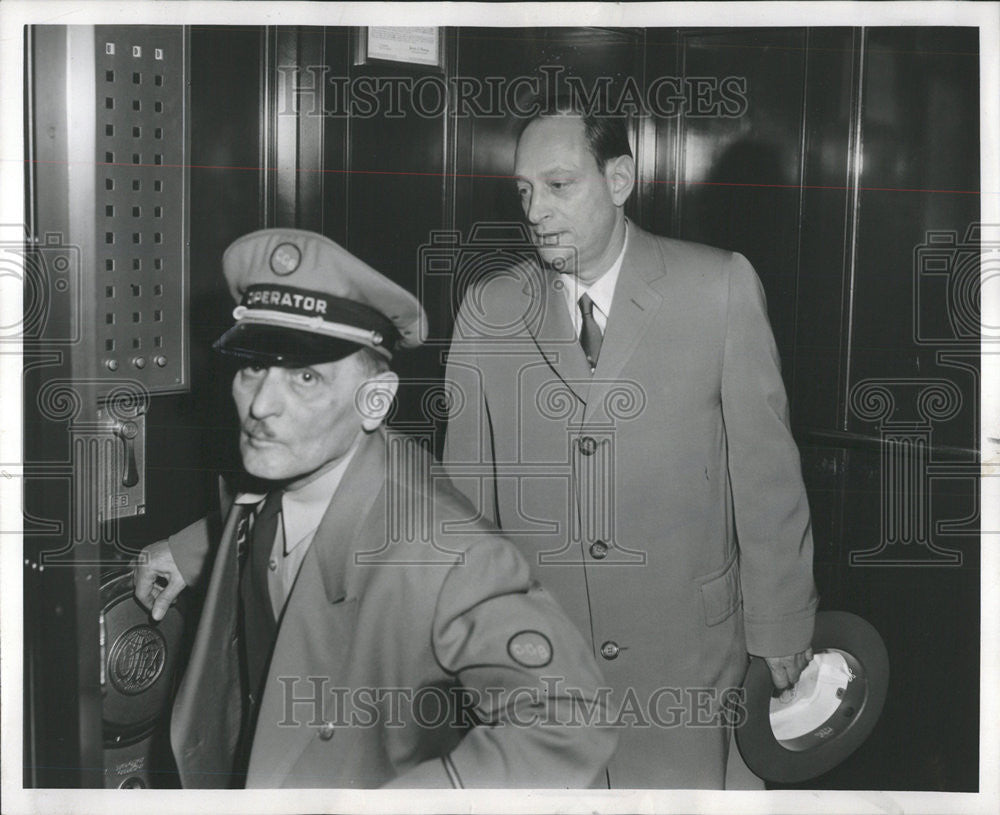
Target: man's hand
785	671
157	563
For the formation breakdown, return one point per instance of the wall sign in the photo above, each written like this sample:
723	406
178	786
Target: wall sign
415	45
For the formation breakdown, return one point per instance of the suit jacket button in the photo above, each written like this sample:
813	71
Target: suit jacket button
598	550
610	650
326	731
588	445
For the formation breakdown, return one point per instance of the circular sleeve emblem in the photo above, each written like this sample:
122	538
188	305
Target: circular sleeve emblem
136	659
285	259
531	649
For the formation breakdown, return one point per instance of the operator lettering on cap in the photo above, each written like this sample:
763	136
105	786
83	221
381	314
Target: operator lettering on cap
328	654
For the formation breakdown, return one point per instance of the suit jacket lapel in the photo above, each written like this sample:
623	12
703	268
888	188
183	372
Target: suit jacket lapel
338	533
206	719
315	637
552	329
633	308
311	657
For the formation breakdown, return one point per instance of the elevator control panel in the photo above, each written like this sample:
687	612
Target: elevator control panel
141	274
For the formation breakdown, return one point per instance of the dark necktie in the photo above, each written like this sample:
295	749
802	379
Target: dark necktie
258	627
590	331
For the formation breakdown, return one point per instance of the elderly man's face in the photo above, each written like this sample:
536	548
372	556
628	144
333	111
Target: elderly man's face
569	202
296	423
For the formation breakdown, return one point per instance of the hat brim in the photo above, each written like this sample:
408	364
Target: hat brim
276	345
850	724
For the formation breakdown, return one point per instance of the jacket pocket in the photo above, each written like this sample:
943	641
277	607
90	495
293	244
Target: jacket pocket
720	592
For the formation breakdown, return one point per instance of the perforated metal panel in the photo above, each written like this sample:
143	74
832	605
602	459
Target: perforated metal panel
141	241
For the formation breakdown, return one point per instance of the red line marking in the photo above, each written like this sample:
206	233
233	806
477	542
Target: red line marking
514	178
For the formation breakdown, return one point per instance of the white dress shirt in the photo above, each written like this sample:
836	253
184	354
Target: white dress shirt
302	509
601	292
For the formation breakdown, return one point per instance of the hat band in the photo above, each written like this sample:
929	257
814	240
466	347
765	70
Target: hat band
315	325
306	303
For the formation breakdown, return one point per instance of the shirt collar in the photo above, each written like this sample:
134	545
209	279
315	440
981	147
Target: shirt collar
302	509
602	290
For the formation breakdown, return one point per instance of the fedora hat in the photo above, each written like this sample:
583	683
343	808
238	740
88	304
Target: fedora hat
833	707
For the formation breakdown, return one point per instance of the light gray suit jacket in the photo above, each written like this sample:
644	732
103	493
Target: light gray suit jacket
382	630
660	499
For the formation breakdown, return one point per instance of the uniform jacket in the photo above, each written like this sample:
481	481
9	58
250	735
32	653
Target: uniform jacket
660	499
389	614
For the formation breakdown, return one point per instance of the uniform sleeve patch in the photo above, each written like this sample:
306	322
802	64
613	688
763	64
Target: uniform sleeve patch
531	649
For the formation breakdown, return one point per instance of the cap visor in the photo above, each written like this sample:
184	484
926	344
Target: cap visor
276	345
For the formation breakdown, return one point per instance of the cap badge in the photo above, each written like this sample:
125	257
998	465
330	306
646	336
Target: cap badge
285	259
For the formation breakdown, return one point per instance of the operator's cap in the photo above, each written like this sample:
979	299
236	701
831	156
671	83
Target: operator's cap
303	299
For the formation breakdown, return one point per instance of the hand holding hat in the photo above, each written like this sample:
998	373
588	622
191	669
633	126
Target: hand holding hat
830	711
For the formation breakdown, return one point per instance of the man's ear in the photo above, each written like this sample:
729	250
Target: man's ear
374	398
620	175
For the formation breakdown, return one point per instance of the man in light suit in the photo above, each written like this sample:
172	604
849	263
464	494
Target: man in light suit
619	412
332	652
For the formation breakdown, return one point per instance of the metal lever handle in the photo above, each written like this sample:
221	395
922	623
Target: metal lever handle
127	431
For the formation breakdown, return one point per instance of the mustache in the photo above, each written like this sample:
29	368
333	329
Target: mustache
258	430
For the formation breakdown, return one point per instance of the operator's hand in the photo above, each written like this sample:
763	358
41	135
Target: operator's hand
156	563
785	671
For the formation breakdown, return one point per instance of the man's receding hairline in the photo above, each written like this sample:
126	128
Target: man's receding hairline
569	114
560	115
